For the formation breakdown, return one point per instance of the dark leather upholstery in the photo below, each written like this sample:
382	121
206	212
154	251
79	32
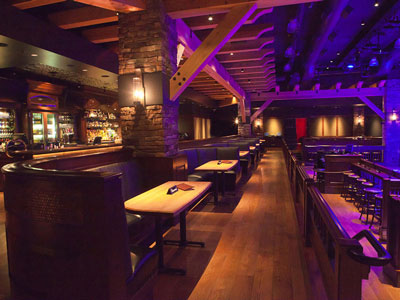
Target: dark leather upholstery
206	154
139	227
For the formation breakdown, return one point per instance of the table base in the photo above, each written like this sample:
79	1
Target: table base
172	271
184	243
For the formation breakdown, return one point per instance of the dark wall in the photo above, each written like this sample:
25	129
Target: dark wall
223	121
373	126
188	110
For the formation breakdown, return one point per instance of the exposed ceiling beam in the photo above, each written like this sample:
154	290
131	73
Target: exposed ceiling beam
27	4
202	22
372	106
246	33
178	9
125	6
236	72
81	17
326	28
249	65
248	46
240	76
214	69
260	110
246	56
386	11
227	102
322	94
100	35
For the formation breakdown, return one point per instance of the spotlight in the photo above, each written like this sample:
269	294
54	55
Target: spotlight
362	23
338	53
231	53
331	61
210	18
376	4
327	68
241	70
374	62
350	66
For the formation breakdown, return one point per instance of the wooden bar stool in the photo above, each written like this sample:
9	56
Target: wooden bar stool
359	191
369	203
346	183
352	189
377	212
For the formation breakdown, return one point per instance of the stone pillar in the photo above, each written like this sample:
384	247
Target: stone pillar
148	45
391	126
358	121
244	127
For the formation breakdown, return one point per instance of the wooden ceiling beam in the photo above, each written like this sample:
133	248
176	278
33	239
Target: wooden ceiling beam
202	22
254	45
100	35
178	9
260	70
250	65
246	33
27	4
246	56
213	67
253	76
125	6
81	17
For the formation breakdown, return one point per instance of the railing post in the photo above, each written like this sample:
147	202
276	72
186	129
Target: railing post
385	209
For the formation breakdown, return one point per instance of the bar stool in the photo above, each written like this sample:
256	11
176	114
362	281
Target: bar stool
377	212
359	191
352	189
346	183
369	203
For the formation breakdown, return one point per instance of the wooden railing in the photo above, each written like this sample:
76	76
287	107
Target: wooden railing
341	261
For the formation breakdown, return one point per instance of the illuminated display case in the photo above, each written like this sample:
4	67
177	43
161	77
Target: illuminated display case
66	124
44	127
103	124
7	124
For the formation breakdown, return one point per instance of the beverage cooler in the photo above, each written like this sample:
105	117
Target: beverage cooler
44	127
7	124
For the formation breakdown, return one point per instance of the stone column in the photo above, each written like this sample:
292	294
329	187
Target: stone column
358	120
391	126
148	45
244	127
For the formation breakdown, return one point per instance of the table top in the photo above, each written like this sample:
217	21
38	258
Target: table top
252	148
213	166
243	153
157	202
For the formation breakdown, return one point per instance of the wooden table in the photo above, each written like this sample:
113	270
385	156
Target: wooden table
156	202
243	153
213	165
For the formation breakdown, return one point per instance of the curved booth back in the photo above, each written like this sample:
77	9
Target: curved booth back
66	230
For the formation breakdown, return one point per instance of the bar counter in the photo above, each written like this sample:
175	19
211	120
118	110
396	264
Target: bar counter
79	149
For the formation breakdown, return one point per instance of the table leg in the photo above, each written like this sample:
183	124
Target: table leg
183	242
216	188
160	250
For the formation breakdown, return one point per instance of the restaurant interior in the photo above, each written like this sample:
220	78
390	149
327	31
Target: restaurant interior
201	150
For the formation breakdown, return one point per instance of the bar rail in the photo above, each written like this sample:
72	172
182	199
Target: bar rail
340	257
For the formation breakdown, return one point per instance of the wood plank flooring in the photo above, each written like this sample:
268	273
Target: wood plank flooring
378	286
253	248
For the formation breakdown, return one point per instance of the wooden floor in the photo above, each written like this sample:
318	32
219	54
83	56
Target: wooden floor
253	249
378	286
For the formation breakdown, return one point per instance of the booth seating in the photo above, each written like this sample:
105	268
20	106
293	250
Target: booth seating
67	232
139	227
198	156
246	161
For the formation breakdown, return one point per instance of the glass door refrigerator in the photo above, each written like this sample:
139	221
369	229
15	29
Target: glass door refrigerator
44	127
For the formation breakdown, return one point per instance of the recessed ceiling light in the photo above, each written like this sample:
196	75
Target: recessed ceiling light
34	54
3	45
231	53
350	66
376	4
84	70
362	23
210	18
338	53
327	68
242	70
331	61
